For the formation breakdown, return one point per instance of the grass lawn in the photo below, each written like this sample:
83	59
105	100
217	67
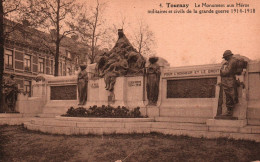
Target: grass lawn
19	144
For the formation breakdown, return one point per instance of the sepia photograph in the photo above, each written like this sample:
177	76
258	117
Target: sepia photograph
130	80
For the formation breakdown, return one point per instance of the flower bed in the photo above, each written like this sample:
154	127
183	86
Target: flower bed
104	112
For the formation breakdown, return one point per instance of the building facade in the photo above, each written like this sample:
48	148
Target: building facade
26	58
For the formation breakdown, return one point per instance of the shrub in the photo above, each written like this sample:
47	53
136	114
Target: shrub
104	111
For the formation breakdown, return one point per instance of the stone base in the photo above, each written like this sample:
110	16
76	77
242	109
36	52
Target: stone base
225	117
226	123
152	111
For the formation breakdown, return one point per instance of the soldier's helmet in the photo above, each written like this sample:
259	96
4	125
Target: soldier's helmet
227	53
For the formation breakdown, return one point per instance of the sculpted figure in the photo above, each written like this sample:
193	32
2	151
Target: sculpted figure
11	92
100	67
82	84
232	67
121	60
118	68
153	79
136	63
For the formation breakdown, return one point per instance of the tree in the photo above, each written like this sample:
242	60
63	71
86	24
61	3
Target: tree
89	27
6	8
143	39
52	15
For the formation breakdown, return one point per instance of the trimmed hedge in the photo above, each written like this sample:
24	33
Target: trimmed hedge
104	112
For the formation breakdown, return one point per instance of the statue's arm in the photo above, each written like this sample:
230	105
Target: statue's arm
228	70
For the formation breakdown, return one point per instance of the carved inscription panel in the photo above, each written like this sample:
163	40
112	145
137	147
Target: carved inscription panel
191	88
68	92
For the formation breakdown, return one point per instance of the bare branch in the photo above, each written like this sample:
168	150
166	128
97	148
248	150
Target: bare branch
14	9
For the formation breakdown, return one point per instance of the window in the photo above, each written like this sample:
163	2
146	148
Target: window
64	69
69	72
51	71
8	59
41	65
60	68
27	62
77	60
68	54
27	87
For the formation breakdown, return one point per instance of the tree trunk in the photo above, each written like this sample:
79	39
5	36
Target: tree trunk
1	53
57	43
140	44
57	59
94	35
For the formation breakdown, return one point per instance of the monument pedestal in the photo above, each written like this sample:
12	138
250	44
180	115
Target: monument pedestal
152	111
224	117
128	92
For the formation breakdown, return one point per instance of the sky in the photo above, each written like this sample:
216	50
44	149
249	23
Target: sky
190	38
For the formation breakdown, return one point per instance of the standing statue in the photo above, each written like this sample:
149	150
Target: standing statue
153	79
83	84
232	67
11	91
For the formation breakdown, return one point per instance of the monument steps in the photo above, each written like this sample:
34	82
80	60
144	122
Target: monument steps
179	126
48	115
70	127
180	119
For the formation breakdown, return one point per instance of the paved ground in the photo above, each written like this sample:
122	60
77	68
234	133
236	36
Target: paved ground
19	144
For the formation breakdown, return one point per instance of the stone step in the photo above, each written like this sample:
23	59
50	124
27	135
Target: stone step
255	122
13	121
53	125
226	123
195	133
48	115
250	129
179	119
91	119
205	112
11	115
179	126
210	134
55	110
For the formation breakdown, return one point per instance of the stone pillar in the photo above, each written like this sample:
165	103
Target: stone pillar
217	92
119	93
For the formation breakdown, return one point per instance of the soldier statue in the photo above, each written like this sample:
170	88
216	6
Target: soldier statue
230	68
153	79
83	84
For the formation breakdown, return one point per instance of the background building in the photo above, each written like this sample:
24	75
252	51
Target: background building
26	55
